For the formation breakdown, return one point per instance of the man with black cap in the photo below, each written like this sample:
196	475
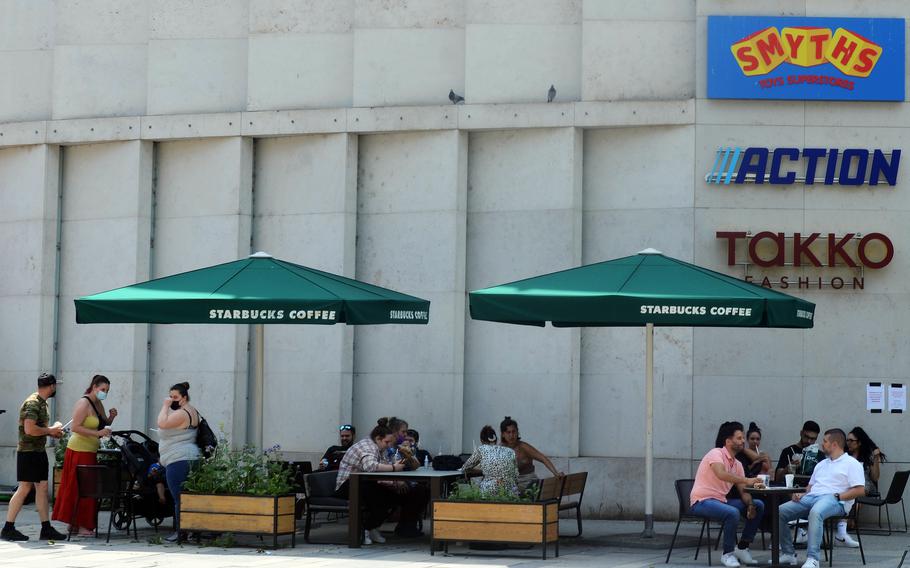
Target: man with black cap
31	460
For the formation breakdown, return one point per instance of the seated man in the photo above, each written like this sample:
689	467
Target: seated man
333	456
411	440
807	436
835	483
718	471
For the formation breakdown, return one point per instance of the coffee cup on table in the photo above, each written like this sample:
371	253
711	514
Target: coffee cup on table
765	479
788	479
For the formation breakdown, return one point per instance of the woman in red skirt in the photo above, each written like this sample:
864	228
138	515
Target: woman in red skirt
90	424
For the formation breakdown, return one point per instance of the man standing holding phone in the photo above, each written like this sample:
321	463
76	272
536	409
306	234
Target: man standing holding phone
31	460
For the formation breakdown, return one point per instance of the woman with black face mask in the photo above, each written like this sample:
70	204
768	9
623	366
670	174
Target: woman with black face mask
177	423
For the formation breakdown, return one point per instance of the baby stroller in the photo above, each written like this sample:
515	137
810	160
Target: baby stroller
139	462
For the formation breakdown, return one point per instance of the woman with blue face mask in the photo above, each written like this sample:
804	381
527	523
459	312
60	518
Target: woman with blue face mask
90	424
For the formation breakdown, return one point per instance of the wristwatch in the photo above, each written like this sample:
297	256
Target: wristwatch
837	496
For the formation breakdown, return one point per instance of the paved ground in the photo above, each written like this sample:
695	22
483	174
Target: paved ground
602	545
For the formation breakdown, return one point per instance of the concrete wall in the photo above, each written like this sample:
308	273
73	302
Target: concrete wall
182	134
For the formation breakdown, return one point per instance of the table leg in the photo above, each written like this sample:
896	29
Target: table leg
774	502
435	488
354	529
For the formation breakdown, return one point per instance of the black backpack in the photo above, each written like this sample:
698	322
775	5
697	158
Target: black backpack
447	463
205	438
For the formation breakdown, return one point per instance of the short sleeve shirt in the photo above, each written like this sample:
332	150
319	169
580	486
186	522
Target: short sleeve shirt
34	408
707	484
837	476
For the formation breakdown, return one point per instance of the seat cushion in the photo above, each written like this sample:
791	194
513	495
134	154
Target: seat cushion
320	502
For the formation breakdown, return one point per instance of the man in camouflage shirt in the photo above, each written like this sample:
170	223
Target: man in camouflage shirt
31	460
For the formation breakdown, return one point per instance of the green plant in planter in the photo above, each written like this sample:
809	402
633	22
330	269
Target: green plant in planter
471	492
108	444
60	449
244	471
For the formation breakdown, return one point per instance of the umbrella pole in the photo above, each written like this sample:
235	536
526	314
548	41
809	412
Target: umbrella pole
257	396
649	432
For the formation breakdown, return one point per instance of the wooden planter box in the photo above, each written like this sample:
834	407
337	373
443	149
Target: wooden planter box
496	521
58	475
243	514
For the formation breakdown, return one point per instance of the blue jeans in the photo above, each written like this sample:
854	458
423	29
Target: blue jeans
816	508
728	514
176	473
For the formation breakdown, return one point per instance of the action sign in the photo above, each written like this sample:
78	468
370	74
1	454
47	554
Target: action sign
793	58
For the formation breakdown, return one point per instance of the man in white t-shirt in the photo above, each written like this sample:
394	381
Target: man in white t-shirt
834	484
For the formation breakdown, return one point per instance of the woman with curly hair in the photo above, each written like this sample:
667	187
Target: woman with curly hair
500	472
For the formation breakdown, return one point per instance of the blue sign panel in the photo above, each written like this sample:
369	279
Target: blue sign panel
794	58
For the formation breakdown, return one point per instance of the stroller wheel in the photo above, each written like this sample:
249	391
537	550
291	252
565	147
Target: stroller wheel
120	520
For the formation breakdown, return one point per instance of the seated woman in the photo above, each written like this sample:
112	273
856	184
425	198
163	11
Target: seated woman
861	447
500	471
753	459
364	456
525	454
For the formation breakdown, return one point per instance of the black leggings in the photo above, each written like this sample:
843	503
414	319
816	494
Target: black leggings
378	501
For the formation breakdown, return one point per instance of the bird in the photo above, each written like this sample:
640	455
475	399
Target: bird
455	97
551	94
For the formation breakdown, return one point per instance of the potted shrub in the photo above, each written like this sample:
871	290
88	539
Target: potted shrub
469	515
241	491
59	453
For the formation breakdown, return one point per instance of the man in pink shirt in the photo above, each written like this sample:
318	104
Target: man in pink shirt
717	473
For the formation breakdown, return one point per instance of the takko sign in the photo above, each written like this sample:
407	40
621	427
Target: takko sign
769	249
799	58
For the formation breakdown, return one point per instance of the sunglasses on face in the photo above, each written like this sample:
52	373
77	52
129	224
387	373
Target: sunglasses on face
344	427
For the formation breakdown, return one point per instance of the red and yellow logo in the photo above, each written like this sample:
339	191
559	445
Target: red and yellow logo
761	52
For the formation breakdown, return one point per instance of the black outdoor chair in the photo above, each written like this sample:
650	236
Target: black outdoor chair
99	482
895	495
320	491
831	526
297	471
683	490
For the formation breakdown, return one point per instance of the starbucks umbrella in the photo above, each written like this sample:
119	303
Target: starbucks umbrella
646	289
256	290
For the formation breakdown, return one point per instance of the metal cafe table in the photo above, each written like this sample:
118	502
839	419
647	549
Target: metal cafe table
772	497
434	478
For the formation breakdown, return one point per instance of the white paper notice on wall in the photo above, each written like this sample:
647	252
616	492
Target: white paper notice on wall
897	398
875	397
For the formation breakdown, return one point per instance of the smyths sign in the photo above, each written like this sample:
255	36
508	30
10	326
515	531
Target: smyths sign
773	253
856	59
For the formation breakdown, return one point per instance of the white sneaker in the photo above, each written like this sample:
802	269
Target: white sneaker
729	559
366	538
802	536
377	536
810	563
787	559
846	541
744	556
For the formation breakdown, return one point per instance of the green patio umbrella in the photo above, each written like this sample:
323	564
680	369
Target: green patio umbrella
256	290
645	289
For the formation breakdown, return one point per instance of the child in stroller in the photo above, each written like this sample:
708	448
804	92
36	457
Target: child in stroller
148	495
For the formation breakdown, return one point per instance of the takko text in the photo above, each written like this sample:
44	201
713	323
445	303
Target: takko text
802	253
851	53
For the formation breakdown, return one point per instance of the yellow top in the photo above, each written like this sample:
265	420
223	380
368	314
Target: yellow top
81	443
